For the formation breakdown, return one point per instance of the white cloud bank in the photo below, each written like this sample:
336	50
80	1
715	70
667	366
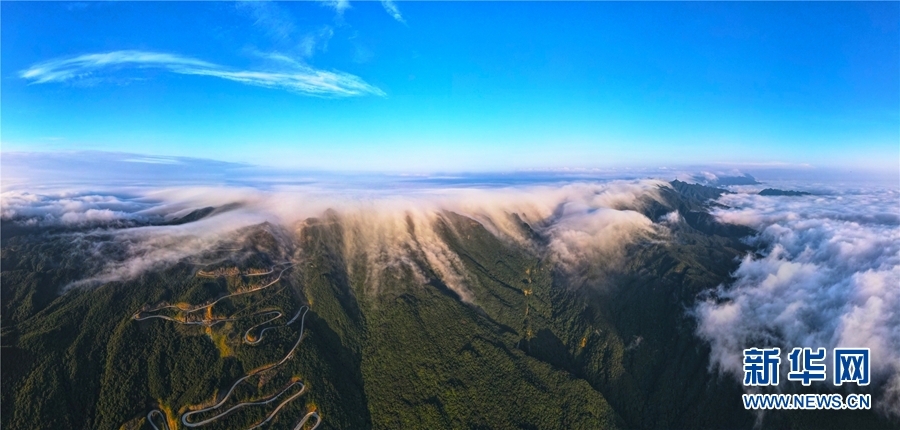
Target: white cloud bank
830	277
298	78
400	229
68	209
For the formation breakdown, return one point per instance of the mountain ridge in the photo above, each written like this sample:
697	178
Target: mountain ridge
538	345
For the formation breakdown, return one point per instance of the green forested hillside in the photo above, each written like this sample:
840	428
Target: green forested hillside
535	349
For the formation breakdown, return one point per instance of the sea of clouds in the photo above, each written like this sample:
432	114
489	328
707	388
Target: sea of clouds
829	276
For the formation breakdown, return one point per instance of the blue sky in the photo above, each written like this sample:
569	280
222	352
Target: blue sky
458	86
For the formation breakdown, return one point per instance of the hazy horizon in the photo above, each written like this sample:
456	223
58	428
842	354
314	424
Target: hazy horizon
40	170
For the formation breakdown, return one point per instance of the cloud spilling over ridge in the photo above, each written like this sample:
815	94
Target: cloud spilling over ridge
299	78
830	277
394	242
389	230
582	221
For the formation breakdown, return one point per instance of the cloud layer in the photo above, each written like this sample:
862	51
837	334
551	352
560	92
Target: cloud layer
392	230
829	277
42	210
297	78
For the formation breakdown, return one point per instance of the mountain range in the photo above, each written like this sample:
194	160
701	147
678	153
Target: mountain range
310	324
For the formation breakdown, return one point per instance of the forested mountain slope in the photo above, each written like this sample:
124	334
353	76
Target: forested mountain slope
386	342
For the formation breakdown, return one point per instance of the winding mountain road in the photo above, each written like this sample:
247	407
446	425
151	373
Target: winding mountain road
301	313
209	322
249	340
160	413
184	418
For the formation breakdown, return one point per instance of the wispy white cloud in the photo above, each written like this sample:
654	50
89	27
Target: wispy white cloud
305	80
271	18
298	78
339	6
153	160
315	41
60	70
284	32
392	10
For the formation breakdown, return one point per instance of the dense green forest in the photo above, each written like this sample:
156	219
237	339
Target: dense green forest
535	349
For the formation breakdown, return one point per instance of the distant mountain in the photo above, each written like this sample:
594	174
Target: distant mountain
746	179
536	347
194	215
696	191
777	192
198	214
724	181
